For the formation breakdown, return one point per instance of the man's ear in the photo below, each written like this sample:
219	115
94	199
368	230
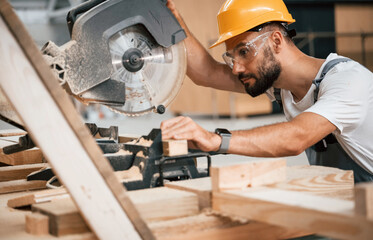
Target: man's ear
278	41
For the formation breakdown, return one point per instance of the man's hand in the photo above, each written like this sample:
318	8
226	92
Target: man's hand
186	128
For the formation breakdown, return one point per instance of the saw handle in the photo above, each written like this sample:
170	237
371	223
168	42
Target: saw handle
72	15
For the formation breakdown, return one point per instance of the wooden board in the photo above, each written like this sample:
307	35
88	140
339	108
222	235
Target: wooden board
38	197
175	147
21	185
319	180
74	155
199	186
19	172
153	204
209	226
325	216
11	132
29	156
164	203
248	174
37	224
364	200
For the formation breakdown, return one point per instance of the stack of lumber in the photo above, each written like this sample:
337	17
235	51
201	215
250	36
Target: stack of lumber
15	167
257	200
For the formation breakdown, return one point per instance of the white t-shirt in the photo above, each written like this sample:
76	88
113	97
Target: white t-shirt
346	100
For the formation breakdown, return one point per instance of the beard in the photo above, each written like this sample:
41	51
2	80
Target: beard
268	71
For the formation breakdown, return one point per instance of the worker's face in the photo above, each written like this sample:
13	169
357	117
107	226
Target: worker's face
257	73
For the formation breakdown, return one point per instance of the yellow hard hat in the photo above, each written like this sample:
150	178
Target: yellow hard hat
238	16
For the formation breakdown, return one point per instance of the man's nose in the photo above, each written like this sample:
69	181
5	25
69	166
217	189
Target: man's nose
238	68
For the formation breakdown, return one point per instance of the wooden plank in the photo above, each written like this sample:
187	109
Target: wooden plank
199	186
364	200
29	156
153	204
11	132
73	153
64	217
19	172
37	224
21	185
325	216
323	181
175	147
319	180
248	174
209	226
164	203
123	138
38	197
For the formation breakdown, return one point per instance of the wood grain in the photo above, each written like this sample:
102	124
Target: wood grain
29	156
199	186
21	185
38	197
326	216
364	200
250	174
175	147
19	172
37	224
153	204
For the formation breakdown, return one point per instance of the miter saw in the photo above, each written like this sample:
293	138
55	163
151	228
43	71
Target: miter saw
129	56
125	54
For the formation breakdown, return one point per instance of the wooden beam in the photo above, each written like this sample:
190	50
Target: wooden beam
38	197
248	174
210	226
19	172
164	203
319	180
153	204
37	224
31	88
325	216
11	132
21	185
29	156
364	200
199	186
175	147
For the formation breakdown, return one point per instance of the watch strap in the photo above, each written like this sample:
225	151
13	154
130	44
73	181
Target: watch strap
225	139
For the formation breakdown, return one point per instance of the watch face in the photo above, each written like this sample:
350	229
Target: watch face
222	131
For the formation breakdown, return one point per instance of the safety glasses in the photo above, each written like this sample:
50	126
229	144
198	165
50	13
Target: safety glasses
247	51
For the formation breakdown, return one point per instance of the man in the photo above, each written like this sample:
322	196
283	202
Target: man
260	58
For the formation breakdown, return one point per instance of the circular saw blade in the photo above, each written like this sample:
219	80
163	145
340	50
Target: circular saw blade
153	74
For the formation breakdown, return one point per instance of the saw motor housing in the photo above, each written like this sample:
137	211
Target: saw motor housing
84	65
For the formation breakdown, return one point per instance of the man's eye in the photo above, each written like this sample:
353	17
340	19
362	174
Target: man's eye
243	52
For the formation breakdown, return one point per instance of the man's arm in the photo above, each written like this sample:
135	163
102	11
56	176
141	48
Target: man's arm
202	67
276	140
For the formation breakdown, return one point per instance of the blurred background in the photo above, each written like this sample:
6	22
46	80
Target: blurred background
323	26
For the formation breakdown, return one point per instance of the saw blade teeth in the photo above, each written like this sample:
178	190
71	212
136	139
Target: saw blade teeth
152	74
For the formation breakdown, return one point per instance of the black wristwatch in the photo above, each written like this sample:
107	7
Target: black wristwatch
225	139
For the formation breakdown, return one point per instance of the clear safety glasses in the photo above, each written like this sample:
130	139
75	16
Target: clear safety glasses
246	52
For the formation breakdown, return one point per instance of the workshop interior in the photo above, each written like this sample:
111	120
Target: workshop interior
122	65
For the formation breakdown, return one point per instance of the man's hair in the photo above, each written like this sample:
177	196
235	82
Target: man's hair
280	26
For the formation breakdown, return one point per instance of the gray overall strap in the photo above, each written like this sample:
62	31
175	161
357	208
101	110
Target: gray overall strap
324	71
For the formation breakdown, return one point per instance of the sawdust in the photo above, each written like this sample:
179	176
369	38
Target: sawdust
201	222
141	141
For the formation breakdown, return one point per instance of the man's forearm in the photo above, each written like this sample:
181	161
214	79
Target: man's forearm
202	68
275	140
